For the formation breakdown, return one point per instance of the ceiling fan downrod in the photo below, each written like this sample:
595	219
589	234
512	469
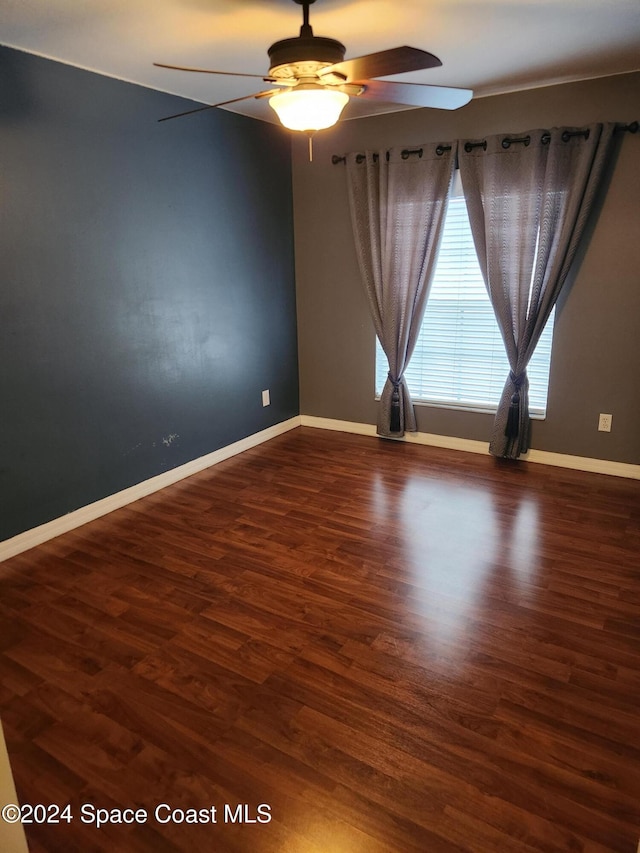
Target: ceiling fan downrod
313	51
305	29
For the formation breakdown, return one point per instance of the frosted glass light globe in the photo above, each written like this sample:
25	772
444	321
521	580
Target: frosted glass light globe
309	109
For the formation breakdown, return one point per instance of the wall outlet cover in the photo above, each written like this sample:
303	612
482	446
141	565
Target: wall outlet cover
604	423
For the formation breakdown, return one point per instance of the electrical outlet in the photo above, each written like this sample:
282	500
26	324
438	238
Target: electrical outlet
604	424
266	399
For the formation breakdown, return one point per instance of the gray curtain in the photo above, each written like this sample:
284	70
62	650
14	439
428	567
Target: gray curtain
398	203
528	197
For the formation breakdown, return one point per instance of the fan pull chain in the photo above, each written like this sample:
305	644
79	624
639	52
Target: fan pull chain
310	138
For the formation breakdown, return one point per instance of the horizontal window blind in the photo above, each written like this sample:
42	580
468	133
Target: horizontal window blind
459	359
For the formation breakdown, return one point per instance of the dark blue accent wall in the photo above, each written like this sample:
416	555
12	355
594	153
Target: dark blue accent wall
146	285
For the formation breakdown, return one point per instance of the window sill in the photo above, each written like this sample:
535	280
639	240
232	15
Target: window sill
460	407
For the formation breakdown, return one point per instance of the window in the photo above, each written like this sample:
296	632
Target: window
459	360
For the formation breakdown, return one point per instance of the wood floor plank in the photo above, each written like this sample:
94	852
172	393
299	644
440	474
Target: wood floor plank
398	649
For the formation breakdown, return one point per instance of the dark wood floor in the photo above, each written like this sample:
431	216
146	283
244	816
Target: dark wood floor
395	648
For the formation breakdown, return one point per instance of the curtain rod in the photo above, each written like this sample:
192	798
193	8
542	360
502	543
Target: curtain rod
405	154
506	143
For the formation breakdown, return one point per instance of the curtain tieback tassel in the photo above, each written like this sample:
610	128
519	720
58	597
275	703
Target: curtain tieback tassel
512	427
394	423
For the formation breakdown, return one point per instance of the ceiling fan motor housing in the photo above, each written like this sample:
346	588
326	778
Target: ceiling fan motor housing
303	56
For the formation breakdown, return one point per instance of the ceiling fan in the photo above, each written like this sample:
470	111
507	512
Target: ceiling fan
315	81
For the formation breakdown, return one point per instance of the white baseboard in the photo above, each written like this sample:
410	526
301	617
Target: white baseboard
584	463
544	457
38	535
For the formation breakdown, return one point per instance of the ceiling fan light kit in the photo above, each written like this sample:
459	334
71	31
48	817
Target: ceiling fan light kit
309	109
316	81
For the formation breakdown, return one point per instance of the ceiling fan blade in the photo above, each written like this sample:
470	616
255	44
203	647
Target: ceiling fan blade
268	93
416	94
209	71
396	60
221	104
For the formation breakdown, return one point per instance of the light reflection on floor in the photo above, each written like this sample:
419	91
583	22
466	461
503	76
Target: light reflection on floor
458	546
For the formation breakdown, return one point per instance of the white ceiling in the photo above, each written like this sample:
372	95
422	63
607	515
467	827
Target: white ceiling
490	46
